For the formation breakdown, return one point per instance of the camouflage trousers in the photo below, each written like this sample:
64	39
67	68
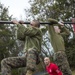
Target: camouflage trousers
61	61
29	61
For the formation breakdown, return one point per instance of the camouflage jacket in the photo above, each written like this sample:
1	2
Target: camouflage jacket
56	39
31	36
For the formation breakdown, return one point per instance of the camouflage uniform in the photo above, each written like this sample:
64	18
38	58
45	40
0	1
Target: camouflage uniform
32	37
32	59
57	42
16	62
12	62
61	60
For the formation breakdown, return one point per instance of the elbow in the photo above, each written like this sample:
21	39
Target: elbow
68	34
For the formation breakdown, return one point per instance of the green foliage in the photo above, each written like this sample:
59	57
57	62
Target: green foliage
66	9
8	44
58	9
7	35
73	72
40	9
70	51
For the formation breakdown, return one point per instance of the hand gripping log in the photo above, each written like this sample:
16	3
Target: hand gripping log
10	22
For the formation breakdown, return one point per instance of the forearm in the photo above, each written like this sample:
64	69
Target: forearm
53	21
65	31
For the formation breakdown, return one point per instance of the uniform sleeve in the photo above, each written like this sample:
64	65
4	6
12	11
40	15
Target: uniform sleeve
51	27
52	31
20	32
29	31
44	30
56	69
65	31
52	21
32	31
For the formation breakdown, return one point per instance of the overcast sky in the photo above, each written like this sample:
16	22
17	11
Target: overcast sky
16	7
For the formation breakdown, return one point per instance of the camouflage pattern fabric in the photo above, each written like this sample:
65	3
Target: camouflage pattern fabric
32	59
28	61
12	62
61	61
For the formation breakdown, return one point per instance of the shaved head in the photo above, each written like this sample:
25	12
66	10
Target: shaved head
35	23
46	60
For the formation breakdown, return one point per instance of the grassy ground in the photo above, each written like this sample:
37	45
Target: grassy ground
73	72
